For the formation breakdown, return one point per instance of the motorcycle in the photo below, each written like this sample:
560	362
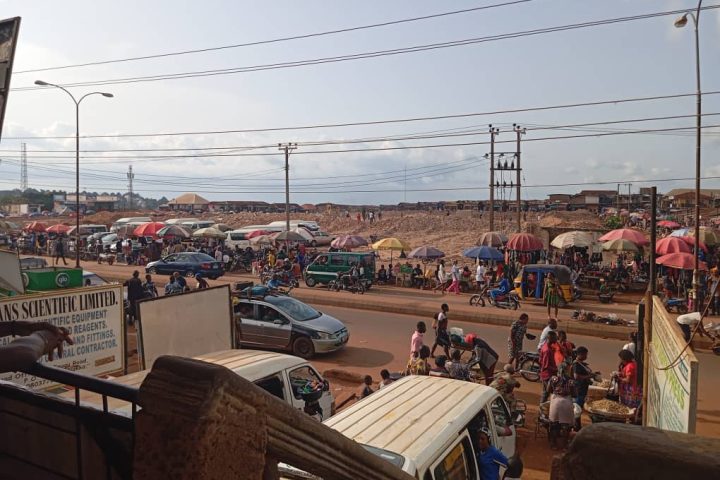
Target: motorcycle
509	301
529	363
346	283
679	305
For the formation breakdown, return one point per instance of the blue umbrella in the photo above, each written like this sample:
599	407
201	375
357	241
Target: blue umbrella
484	253
683	232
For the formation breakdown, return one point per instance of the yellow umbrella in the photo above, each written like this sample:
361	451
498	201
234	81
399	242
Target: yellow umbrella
390	243
619	245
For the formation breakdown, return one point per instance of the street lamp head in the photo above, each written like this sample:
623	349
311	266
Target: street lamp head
108	95
41	83
681	22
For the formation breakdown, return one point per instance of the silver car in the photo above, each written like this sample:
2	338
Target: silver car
282	322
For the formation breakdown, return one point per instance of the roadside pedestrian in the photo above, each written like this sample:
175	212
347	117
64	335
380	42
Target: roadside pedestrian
386	380
551	326
59	251
583	375
567	348
440	325
180	280
135	292
632	345
552	297
455	275
629	391
149	287
480	276
518	330
201	282
561	411
441	276
440	369
457	369
367	387
419	365
548	367
416	342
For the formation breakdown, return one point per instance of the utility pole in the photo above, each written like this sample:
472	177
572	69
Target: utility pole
130	177
23	167
287	148
617	199
518	132
629	198
494	131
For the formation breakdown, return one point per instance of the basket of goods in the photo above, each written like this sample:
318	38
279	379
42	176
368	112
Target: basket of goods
609	411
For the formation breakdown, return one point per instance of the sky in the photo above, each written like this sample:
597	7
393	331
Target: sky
623	60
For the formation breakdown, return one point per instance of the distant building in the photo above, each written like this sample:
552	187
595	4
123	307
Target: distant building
685	198
88	201
189	202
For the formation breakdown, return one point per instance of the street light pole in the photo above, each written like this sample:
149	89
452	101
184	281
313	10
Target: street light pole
679	23
77	158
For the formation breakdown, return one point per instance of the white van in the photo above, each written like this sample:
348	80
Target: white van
197	224
279	374
175	221
237	238
428	426
120	222
309	224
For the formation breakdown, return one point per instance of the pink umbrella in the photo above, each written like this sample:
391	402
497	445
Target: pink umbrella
691	241
59	228
524	242
671	245
35	227
348	241
681	261
668	224
638	238
149	229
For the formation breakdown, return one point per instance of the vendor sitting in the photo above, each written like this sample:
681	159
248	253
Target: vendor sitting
382	275
416	277
503	289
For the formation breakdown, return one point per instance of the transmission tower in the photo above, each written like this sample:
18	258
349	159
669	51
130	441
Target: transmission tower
130	177
502	167
23	167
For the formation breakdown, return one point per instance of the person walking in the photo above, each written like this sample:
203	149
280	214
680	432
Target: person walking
480	276
441	277
440	325
518	330
551	296
135	292
548	367
455	275
59	251
416	342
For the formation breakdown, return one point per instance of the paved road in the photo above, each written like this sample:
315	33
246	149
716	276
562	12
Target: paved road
379	340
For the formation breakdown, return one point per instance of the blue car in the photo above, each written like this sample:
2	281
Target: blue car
188	264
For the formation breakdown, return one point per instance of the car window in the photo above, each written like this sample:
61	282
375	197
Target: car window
266	313
457	464
337	260
183	257
300	377
500	413
294	309
273	385
170	258
244	310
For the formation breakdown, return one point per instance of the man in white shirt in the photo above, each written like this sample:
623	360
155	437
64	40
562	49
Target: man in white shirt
551	326
480	275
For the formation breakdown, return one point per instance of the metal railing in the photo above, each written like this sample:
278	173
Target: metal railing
100	426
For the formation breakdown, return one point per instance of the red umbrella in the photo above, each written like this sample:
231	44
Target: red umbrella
691	241
681	261
671	245
59	228
257	233
348	241
149	229
638	238
35	227
668	224
524	242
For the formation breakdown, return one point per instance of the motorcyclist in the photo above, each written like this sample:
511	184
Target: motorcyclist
274	283
503	289
350	277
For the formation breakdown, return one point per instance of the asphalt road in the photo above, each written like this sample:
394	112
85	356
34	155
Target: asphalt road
380	340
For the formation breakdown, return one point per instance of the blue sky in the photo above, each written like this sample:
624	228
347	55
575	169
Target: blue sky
624	60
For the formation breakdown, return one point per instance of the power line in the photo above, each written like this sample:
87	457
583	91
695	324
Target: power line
379	149
382	122
372	139
360	56
274	40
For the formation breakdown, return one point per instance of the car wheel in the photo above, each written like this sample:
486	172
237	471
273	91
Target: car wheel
310	282
152	270
189	274
303	347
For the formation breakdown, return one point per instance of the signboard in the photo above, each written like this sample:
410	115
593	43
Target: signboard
672	392
189	324
8	40
92	315
10	276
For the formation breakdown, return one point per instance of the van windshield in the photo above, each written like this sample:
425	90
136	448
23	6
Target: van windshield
294	309
394	458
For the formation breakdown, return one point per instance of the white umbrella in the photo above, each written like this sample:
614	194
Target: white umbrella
575	238
209	232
